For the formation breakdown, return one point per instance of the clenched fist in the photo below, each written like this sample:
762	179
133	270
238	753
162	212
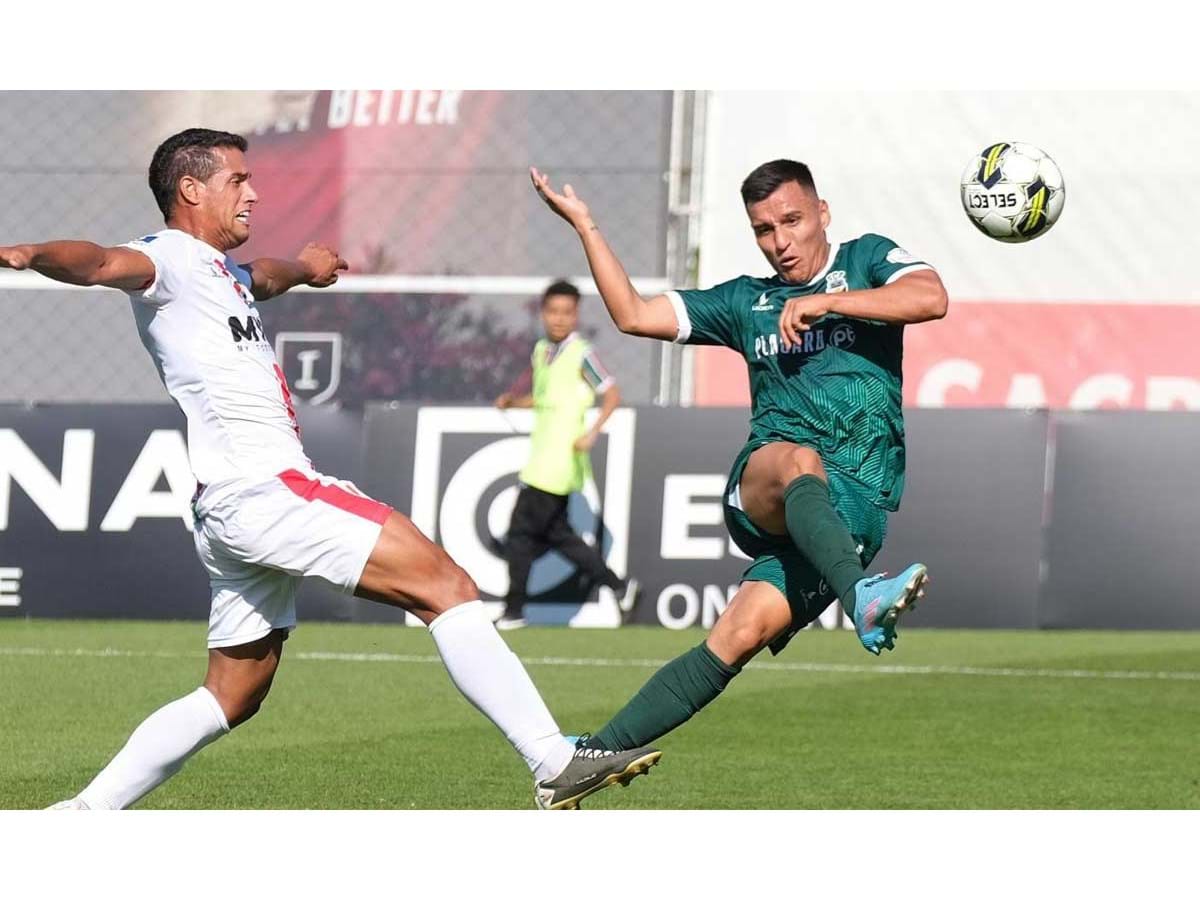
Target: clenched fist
322	264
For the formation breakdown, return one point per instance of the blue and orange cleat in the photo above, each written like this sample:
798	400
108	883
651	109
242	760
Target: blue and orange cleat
879	602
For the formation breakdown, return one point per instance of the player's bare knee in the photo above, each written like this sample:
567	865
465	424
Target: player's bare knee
459	587
244	713
449	586
254	700
738	645
748	638
240	694
238	705
801	461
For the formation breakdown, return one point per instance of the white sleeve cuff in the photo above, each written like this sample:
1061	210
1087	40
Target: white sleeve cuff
908	270
682	321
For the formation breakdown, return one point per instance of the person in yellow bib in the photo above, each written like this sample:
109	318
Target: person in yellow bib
567	376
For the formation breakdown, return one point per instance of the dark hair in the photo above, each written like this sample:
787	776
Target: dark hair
187	153
767	178
561	288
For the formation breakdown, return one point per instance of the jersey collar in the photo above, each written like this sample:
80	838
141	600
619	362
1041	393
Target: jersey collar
570	337
833	252
574	335
553	349
219	253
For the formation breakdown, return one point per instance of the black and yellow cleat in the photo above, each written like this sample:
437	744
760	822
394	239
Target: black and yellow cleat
592	769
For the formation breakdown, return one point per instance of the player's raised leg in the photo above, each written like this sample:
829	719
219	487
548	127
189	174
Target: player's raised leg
784	490
757	614
408	570
238	680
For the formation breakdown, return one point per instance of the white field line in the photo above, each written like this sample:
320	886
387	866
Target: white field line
836	668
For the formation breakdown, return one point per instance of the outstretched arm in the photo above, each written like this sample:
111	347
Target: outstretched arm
82	262
316	265
916	297
631	312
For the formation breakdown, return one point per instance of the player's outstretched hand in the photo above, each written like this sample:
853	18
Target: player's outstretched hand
322	263
18	257
566	204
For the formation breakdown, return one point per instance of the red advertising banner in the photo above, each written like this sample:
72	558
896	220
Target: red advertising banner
1024	355
435	182
366	171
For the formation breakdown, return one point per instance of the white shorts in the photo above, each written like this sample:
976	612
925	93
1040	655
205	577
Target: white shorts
257	539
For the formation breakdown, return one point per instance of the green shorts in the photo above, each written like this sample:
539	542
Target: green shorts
777	561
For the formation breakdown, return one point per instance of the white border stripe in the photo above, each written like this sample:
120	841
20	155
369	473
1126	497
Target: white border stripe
381	284
682	320
834	250
586	662
908	270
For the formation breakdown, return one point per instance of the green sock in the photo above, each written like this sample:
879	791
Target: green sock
674	694
820	534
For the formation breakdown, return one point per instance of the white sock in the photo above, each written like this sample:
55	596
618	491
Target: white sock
156	750
493	679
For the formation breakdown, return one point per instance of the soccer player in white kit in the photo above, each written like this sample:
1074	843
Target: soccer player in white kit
264	518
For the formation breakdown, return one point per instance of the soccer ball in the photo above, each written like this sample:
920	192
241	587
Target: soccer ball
1012	192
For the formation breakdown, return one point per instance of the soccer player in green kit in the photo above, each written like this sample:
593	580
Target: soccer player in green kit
808	495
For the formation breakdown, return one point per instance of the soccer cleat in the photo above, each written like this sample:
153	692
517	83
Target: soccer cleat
507	623
73	803
879	602
592	769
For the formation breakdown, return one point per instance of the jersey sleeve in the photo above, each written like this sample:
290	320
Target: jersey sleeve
706	316
594	373
172	261
242	274
885	261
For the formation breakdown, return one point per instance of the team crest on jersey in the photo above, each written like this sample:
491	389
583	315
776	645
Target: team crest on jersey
835	282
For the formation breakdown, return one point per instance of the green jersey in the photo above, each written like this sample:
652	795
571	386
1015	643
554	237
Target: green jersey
839	389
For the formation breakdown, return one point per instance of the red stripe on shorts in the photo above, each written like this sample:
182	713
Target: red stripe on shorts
311	489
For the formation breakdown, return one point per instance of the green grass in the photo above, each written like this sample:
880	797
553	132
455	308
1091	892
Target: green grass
392	734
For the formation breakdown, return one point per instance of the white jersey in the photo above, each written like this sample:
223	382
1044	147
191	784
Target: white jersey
197	319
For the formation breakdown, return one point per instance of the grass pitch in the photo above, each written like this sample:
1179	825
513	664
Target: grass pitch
365	717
